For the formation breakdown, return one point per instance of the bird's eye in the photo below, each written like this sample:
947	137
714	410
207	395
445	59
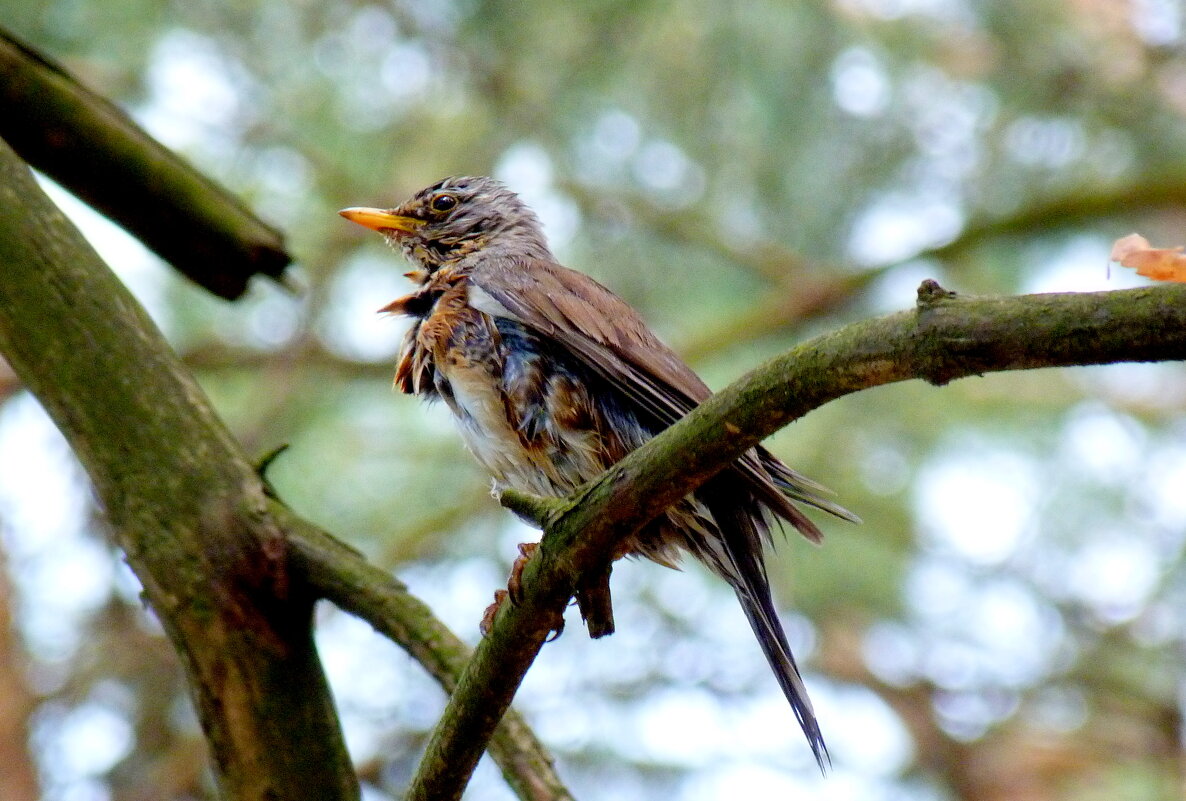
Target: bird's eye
443	202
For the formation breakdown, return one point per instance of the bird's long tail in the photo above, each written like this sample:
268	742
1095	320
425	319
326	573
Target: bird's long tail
737	558
763	619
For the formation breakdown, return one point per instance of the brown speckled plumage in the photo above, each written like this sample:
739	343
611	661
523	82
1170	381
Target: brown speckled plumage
552	378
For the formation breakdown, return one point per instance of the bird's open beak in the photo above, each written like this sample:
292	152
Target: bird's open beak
381	220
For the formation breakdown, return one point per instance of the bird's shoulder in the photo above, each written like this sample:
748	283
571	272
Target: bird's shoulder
583	314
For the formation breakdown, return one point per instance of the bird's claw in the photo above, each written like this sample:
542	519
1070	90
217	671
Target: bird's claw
487	623
515	581
514	593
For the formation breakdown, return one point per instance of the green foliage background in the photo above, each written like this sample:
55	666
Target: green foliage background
1008	621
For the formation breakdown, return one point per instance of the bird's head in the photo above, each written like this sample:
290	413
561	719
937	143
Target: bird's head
449	221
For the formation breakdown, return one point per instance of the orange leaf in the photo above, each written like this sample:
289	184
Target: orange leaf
1160	264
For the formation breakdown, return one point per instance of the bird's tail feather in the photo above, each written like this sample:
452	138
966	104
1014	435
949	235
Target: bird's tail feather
737	558
796	486
763	619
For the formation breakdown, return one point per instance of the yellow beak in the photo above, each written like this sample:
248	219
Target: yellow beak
380	220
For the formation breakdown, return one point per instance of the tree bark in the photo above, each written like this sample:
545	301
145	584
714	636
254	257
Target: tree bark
18	775
188	510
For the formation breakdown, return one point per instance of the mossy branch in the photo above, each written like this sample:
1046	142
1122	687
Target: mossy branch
534	509
185	506
91	147
342	576
943	338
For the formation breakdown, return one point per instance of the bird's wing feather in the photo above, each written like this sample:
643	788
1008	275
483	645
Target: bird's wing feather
596	326
605	333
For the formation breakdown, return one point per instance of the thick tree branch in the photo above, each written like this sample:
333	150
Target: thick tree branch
96	151
188	510
945	337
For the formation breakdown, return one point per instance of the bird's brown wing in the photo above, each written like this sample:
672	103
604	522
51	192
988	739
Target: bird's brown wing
605	333
595	325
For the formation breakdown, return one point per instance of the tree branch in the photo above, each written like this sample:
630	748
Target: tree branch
18	771
944	338
1139	195
188	510
95	150
343	576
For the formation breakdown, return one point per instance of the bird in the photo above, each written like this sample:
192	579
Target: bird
552	378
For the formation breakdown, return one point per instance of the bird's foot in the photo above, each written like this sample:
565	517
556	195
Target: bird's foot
514	593
487	624
515	581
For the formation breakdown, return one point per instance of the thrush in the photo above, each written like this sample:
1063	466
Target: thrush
552	378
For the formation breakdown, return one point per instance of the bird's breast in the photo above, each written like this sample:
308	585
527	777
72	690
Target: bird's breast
525	413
